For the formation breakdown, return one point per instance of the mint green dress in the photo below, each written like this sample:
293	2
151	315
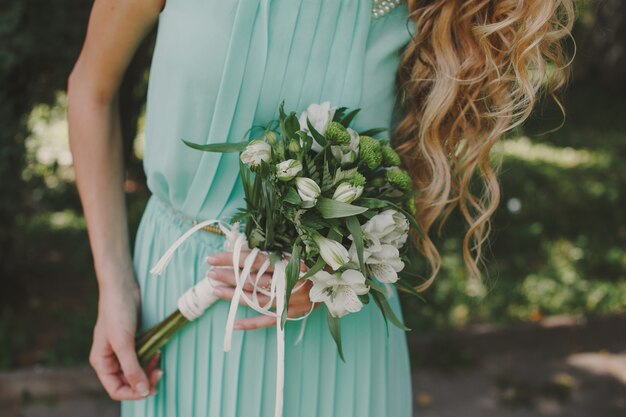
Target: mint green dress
220	67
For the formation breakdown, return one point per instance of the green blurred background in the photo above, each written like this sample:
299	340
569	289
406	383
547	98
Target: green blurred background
559	246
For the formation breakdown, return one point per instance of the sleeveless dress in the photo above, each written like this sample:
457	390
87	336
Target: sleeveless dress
220	67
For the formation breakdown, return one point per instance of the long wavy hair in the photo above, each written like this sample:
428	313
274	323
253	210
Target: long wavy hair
473	71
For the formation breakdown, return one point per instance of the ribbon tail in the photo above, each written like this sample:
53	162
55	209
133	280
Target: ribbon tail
279	277
167	256
301	333
240	279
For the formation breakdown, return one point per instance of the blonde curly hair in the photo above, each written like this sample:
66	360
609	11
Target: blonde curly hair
473	71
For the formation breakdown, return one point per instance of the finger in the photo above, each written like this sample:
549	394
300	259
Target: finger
154	377
227	293
153	363
131	368
257	322
227	276
106	366
226	259
114	382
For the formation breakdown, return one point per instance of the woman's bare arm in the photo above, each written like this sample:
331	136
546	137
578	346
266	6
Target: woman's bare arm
115	29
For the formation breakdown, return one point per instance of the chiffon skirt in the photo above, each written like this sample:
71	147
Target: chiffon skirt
200	379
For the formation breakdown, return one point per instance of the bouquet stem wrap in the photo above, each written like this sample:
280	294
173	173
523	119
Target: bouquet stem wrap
198	298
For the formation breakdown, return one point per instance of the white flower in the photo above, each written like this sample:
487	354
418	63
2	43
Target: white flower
287	170
347	193
388	227
320	116
332	252
308	190
339	292
383	260
383	235
256	152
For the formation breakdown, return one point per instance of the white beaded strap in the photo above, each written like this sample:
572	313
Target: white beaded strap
382	7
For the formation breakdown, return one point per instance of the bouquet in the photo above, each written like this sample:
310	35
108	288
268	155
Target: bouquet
320	193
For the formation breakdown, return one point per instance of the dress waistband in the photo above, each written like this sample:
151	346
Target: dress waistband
215	229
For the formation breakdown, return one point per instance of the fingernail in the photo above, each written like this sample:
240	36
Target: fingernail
142	389
237	326
159	375
210	259
218	291
211	274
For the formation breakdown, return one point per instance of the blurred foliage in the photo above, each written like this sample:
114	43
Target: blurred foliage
560	234
39	43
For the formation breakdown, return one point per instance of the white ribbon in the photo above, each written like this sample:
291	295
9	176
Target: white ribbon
198	298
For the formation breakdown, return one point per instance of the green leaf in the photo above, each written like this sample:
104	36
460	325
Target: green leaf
375	285
327	178
357	235
387	310
292	125
334	326
382	311
372	132
339	113
348	119
332	209
292	197
406	287
372	202
218	147
317	135
319	265
292	274
307	204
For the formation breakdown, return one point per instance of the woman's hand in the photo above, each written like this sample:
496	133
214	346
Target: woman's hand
299	302
113	355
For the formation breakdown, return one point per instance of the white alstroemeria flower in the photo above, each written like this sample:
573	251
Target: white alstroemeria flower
320	116
256	152
332	252
347	193
308	190
383	260
287	170
339	292
388	227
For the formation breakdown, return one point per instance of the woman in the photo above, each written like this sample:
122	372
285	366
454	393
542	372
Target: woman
468	71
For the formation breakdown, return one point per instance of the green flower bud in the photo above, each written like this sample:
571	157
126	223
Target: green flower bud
390	156
270	137
337	134
369	151
347	193
410	204
357	180
400	179
308	190
294	146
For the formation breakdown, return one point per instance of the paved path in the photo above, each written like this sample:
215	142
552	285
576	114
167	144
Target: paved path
563	369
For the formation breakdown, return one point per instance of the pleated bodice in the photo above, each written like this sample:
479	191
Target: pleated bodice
221	67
